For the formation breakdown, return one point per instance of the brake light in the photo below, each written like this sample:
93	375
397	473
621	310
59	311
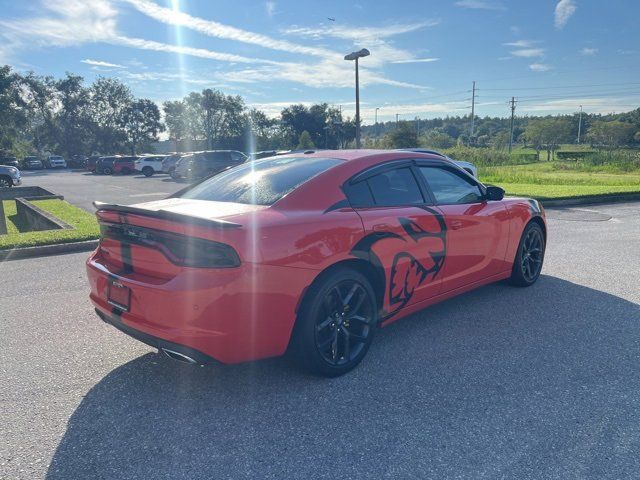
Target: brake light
179	249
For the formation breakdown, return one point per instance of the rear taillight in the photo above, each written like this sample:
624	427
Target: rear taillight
179	249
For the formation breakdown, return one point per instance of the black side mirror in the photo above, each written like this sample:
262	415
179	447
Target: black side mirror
494	193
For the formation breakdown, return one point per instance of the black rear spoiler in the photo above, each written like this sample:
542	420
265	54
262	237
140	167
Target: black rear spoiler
166	215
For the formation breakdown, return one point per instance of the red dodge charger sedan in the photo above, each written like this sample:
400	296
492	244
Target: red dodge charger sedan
307	253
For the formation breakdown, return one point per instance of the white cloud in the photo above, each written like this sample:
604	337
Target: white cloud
521	43
76	22
373	38
417	60
271	8
100	63
540	67
480	5
601	105
528	52
564	10
587	51
219	30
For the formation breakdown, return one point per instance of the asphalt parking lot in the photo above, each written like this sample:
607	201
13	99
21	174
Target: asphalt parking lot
501	382
81	188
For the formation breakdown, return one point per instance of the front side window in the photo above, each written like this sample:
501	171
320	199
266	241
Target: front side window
260	182
450	188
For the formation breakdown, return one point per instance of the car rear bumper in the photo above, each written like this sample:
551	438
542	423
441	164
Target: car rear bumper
159	343
231	315
16	182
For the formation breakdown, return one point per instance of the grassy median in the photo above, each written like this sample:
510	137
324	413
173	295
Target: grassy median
556	180
84	226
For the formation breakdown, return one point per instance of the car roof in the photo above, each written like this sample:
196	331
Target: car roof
349	155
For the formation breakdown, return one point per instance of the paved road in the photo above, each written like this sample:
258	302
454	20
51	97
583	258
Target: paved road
82	188
499	383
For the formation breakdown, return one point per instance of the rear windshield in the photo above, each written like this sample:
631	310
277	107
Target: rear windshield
261	182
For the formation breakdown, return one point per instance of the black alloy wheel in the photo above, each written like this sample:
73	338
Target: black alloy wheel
344	323
530	256
336	323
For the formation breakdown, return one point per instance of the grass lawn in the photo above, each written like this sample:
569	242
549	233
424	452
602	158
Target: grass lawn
85	226
547	180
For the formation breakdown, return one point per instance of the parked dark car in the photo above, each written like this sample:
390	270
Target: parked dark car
204	164
90	164
77	161
9	161
263	154
32	163
104	165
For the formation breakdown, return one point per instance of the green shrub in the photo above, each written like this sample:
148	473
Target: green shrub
573	155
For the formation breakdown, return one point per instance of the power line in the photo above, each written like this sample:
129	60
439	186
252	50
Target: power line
560	86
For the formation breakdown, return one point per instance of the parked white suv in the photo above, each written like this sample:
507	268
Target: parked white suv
56	161
149	164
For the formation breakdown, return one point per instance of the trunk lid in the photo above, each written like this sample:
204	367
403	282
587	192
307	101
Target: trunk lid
161	238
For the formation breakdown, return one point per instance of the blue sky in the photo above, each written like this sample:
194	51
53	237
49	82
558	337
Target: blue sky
552	55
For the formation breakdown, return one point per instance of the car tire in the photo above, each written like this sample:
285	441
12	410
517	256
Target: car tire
107	171
336	323
147	171
530	256
5	182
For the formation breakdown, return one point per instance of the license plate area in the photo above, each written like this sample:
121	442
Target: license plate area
118	295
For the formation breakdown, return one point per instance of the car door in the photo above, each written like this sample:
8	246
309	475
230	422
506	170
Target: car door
477	230
404	235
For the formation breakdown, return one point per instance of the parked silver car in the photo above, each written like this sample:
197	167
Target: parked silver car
9	177
468	167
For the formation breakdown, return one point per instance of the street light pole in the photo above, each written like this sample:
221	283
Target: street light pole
579	124
357	106
356	56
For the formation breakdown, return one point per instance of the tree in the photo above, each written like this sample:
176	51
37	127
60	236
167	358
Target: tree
73	119
437	139
320	121
548	133
175	119
110	99
39	95
12	112
611	135
263	130
305	142
403	136
141	124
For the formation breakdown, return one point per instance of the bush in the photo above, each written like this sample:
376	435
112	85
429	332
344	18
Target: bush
487	157
573	155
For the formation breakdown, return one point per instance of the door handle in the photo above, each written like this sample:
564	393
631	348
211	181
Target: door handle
456	224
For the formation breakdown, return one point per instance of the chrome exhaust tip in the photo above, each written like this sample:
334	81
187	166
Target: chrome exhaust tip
180	357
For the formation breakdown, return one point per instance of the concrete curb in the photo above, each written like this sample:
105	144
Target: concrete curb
569	202
45	250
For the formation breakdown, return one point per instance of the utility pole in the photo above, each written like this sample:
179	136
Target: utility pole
579	124
513	110
473	109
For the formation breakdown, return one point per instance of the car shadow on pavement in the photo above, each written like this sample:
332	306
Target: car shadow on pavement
501	382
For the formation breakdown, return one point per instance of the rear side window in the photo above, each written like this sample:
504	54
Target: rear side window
449	187
261	182
395	187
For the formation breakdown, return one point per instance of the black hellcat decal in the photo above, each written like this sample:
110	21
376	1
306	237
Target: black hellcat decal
407	271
